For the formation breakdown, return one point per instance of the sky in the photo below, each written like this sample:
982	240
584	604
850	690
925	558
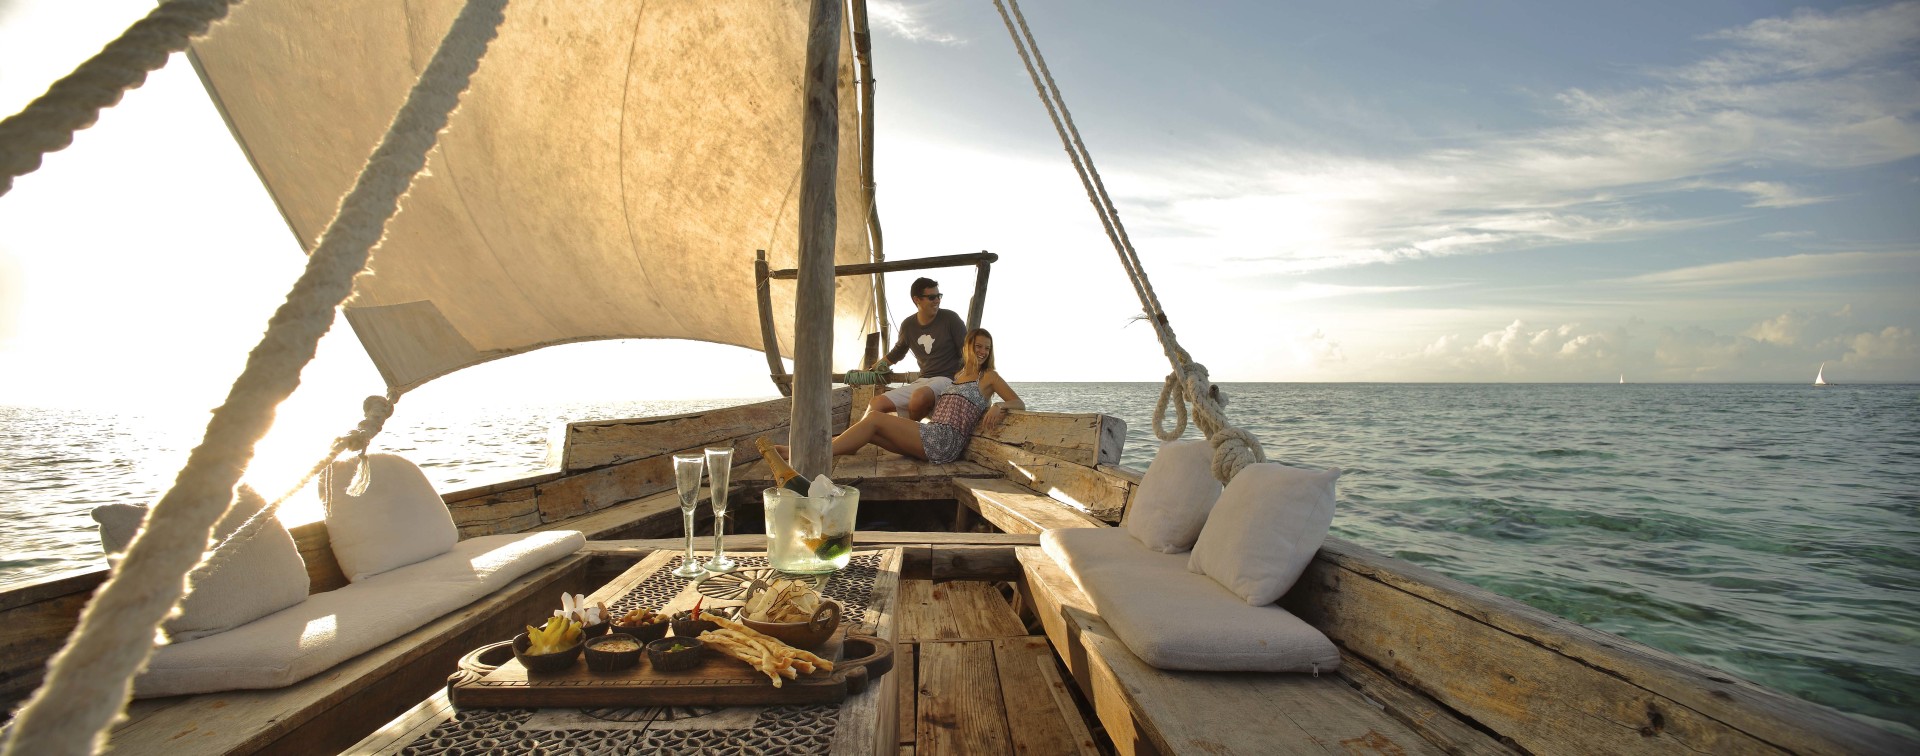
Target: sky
1378	191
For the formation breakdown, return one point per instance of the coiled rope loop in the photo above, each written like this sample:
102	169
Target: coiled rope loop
88	682
74	102
1233	448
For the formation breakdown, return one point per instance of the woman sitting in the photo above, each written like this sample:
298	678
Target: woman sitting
956	412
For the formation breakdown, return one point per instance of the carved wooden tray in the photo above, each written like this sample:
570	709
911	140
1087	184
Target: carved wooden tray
491	677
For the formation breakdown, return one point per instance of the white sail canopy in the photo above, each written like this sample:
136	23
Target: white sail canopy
610	173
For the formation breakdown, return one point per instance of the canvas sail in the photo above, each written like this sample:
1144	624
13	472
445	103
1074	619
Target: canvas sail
610	173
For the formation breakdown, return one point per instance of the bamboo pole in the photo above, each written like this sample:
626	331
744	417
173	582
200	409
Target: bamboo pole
770	342
863	57
812	427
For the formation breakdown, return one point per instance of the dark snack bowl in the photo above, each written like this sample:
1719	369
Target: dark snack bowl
809	635
611	653
666	660
595	630
648	632
557	661
685	626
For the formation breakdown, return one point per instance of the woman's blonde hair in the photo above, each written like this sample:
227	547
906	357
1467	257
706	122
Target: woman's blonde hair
966	351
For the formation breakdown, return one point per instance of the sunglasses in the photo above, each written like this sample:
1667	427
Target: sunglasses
933	297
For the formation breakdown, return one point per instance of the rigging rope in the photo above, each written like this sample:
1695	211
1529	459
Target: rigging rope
74	102
1233	448
88	682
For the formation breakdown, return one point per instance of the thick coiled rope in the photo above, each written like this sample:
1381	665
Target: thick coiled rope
88	682
1233	448
74	102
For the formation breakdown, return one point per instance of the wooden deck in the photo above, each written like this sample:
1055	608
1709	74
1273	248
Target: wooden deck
973	681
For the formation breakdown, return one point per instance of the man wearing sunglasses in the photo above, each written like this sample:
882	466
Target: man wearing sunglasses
934	336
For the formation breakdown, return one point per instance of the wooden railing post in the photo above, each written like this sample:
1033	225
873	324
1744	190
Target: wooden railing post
978	305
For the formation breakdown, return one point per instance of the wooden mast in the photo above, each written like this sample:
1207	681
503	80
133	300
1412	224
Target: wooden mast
812	428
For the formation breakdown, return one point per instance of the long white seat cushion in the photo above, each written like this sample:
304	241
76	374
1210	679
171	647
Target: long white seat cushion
1175	619
293	644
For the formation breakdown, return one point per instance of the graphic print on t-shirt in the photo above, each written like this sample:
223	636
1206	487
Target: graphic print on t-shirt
926	343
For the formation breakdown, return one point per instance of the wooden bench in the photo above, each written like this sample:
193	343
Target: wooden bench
332	710
1013	508
1147	710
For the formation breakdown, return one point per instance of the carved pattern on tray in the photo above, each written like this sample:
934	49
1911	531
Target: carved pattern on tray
497	732
852	587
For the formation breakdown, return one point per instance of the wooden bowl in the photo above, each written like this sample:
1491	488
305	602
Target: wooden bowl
665	660
810	634
554	662
685	626
603	659
595	630
649	632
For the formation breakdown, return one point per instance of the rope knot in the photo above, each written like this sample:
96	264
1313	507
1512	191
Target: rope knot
376	410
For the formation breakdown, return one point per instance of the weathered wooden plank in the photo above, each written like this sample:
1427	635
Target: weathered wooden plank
1547	683
1041	714
869	721
489	489
961	711
1078	486
32	634
906	664
656	515
514	511
336	708
919	618
601	443
401	732
1151	710
978	611
1419	712
1085	439
916	562
993	564
1014	509
316	547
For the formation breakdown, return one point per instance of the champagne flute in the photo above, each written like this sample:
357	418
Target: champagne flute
719	476
686	477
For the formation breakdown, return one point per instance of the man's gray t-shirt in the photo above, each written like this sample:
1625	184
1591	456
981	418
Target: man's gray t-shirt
936	345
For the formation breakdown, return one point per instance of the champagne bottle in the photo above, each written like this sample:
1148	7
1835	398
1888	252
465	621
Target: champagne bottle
783	474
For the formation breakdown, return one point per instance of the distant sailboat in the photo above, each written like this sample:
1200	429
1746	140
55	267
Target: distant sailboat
1820	378
1623	377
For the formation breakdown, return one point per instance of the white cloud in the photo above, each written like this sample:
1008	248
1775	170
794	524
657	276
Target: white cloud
1790	268
1812	90
1778	348
1781	236
907	21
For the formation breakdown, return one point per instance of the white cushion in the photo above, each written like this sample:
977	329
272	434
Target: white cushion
1174	619
329	628
1267	526
118	524
399	520
241	581
1174	497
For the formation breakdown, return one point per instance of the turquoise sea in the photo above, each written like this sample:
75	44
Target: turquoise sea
1772	531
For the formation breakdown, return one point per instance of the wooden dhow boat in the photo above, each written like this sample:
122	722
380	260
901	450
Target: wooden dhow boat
610	172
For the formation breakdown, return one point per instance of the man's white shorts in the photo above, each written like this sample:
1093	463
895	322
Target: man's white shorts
900	396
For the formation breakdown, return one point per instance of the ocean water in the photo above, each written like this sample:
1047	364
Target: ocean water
1772	531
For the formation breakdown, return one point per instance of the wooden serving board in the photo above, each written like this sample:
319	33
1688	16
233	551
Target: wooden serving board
718	681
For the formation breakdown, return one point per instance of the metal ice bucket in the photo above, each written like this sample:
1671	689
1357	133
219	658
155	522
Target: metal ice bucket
808	534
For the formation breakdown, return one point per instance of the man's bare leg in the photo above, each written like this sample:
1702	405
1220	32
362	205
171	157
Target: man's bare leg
921	405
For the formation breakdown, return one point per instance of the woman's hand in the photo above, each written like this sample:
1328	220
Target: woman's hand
994	416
